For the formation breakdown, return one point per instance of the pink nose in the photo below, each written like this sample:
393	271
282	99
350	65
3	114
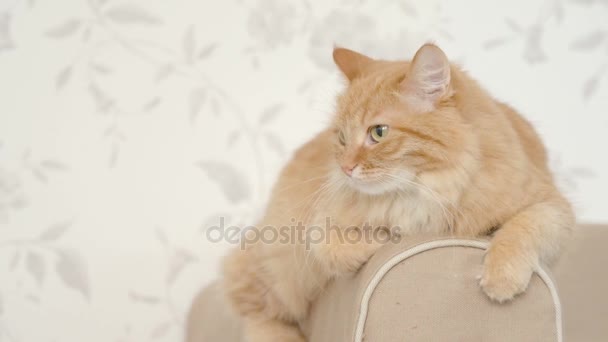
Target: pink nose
348	169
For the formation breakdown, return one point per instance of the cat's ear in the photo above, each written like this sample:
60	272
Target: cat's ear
351	63
428	79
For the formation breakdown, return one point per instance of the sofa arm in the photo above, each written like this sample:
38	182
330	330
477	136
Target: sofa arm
428	291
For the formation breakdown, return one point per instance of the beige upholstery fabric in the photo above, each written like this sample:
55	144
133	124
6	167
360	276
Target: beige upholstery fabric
581	275
433	295
451	308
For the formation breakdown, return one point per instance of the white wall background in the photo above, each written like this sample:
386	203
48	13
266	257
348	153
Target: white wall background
127	126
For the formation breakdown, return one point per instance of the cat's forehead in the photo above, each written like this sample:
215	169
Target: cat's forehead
364	103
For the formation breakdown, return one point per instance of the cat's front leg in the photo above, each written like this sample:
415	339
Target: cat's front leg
270	330
270	306
345	250
533	236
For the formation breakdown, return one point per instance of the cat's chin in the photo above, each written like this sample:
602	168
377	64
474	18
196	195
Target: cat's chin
371	188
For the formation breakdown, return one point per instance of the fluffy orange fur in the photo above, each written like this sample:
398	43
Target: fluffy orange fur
451	160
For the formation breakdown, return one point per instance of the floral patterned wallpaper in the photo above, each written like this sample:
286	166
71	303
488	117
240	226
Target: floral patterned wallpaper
128	126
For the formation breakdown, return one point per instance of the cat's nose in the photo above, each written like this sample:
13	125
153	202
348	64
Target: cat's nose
348	169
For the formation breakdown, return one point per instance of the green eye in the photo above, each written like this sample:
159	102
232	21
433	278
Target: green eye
378	132
341	138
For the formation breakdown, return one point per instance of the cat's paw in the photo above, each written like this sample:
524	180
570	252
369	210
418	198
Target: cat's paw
339	259
505	275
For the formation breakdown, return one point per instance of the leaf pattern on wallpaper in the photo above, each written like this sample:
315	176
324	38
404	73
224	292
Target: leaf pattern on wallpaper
338	26
215	220
590	86
589	41
100	68
233	184
178	261
591	2
6	42
55	231
233	138
196	100
161	330
42	170
54	165
568	176
189	43
141	298
408	9
35	257
65	29
549	14
274	143
72	270
216	108
151	104
494	43
102	99
14	260
270	114
163	72
12	194
130	14
534	52
273	23
63	77
36	266
207	50
162	236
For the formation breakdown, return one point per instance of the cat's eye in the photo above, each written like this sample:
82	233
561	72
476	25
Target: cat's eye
378	132
341	138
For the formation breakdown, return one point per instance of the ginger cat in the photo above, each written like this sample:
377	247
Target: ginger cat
417	145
